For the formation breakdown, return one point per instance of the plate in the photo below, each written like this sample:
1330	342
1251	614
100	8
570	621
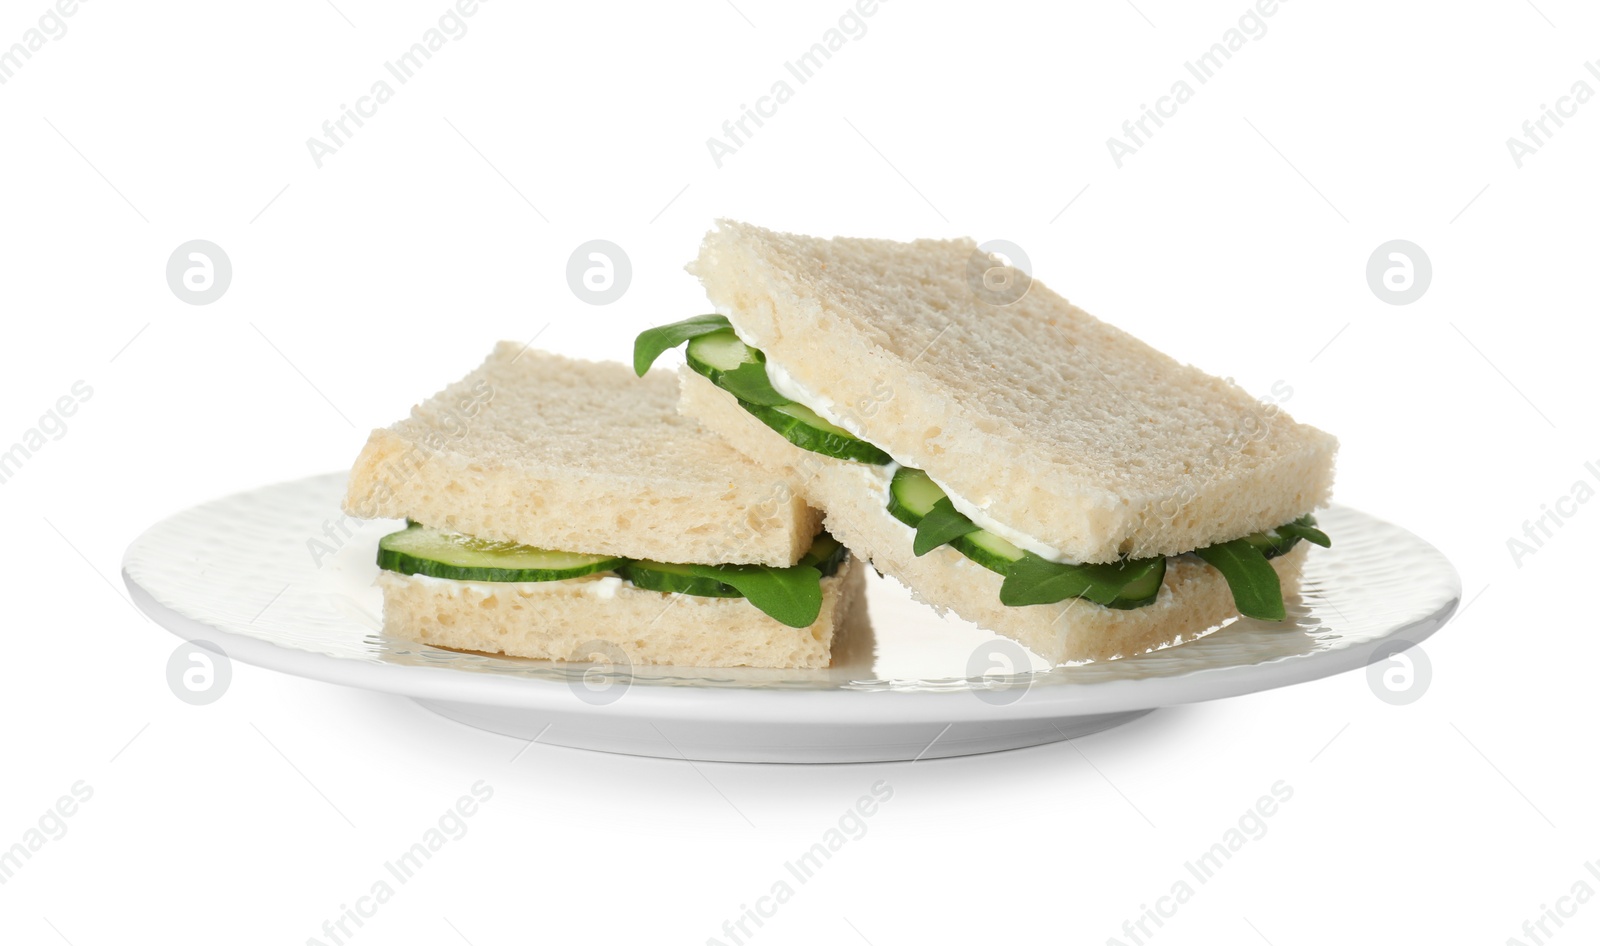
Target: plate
280	578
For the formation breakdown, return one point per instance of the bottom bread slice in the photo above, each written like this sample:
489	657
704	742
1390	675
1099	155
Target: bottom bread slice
1194	598
576	619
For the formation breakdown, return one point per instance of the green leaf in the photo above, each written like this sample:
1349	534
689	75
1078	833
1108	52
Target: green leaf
791	596
941	526
1034	580
1305	527
749	383
653	341
1251	578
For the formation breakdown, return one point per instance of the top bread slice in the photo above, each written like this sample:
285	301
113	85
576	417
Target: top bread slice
579	456
1049	421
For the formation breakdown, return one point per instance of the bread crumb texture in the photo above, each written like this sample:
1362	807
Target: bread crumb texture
579	456
1052	421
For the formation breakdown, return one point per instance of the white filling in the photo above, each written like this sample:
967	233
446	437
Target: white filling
600	586
785	384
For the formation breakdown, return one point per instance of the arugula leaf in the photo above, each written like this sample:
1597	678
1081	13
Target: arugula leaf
941	526
791	596
1251	578
652	342
1305	527
1034	580
749	383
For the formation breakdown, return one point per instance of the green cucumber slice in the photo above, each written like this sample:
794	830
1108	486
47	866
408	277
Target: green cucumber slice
825	555
654	342
720	351
675	579
801	426
988	550
419	550
741	371
1143	588
734	367
913	494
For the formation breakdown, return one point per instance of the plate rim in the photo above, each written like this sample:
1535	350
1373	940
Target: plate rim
825	706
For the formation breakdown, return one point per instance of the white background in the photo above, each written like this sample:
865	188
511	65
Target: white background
1236	239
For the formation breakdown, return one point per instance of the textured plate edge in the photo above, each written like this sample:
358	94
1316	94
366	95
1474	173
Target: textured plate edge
830	707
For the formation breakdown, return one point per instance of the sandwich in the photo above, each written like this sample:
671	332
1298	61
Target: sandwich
1005	455
564	510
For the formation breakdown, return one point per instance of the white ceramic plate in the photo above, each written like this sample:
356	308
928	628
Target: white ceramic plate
277	577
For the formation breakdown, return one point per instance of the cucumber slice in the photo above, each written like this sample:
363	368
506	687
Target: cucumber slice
825	554
1143	588
801	426
726	362
419	550
912	493
713	354
988	550
675	579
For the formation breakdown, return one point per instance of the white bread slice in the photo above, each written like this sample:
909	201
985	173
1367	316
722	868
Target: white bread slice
578	456
563	620
1194	598
1045	419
